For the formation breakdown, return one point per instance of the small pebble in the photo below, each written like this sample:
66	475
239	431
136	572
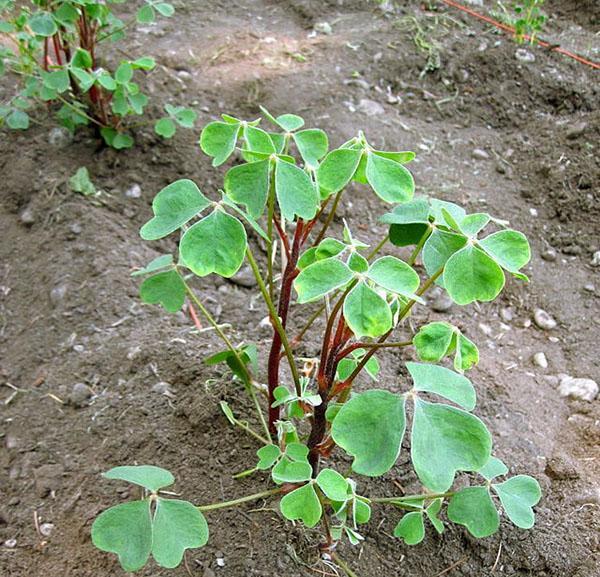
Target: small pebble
57	294
544	320
596	259
75	228
590	287
485	329
576	130
480	154
80	395
507	314
134	192
524	55
577	388
323	28
27	216
540	360
549	255
244	277
163	388
370	107
442	303
46	529
60	137
10	543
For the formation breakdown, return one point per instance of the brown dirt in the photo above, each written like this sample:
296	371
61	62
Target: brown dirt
539	123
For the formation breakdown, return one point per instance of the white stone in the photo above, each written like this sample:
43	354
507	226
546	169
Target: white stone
540	360
370	107
577	388
544	320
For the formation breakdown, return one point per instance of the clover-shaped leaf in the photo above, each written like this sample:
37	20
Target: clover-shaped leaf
267	456
218	140
471	275
493	468
518	496
411	528
173	206
432	512
473	507
216	244
436	340
438	248
390	180
370	427
293	466
165	288
287	122
321	278
160	262
408	222
148	476
347	365
445	440
394	275
296	192
312	145
302	504
444	382
257	140
334	485
508	248
337	169
248	184
366	312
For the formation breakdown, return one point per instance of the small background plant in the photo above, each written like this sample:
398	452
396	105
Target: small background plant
55	48
526	18
287	190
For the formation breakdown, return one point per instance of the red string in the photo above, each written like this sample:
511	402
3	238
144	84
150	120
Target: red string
510	29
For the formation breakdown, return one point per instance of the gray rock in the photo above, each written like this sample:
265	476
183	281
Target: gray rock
134	191
596	259
544	320
590	287
578	388
540	360
549	255
164	388
480	154
57	294
60	137
370	107
27	216
48	478
10	543
80	395
576	130
507	314
442	303
244	277
323	28
524	55
75	228
46	529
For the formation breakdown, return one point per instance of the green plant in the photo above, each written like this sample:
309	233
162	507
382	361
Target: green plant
54	46
527	19
291	184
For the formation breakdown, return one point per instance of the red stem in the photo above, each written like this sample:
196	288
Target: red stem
56	44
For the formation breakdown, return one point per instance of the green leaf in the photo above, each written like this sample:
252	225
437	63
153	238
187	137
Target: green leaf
401	157
178	526
394	275
173	206
473	507
124	73
288	471
117	140
408	222
362	511
85	79
248	184
321	278
358	263
267	456
18	120
446	440
302	504
470	275
508	248
457	213
185	117
433	341
432	514
258	140
80	182
81	58
329	247
296	193
474	223
165	288
145	15
333	485
148	476
367	313
518	495
439	247
66	14
390	180
312	145
218	140
370	427
42	24
215	244
290	122
160	262
57	80
107	81
493	468
144	63
126	530
165	127
411	528
337	169
444	382
467	353
165	9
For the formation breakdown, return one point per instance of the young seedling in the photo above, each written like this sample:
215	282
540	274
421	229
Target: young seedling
54	47
527	19
286	190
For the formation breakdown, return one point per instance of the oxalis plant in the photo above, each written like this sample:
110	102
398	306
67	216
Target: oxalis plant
54	46
285	192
